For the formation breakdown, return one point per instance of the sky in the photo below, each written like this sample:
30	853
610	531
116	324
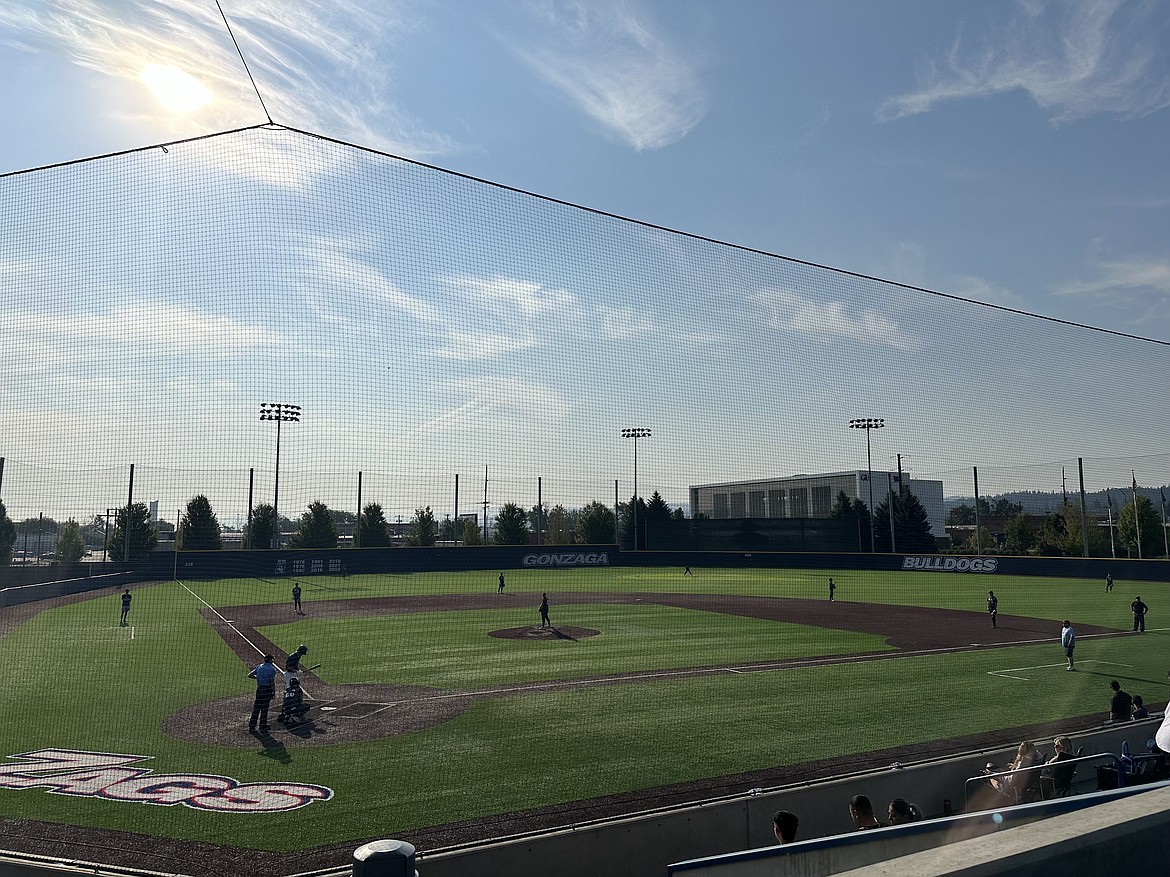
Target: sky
1009	153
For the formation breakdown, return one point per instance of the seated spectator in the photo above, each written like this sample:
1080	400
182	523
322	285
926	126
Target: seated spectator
1056	778
293	707
1139	708
861	811
1022	787
784	825
1162	735
1121	705
902	811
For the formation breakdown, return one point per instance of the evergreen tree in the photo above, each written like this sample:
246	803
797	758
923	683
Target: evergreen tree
7	536
372	529
512	526
657	509
422	529
446	529
470	534
199	528
595	524
911	526
855	518
132	527
626	511
558	527
316	529
70	545
259	533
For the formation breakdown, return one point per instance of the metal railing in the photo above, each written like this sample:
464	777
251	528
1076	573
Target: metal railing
1011	782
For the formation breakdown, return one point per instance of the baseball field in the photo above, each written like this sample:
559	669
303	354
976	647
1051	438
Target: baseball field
443	711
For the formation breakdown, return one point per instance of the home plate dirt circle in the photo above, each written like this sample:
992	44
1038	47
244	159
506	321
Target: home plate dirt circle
544	633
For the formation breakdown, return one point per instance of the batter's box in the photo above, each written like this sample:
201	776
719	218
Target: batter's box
357	710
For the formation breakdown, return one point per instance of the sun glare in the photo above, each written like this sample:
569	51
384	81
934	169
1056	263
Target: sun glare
177	91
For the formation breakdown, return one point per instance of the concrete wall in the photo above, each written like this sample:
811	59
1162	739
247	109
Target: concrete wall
1126	836
854	849
648	843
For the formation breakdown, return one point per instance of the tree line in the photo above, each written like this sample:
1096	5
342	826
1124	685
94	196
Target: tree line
133	535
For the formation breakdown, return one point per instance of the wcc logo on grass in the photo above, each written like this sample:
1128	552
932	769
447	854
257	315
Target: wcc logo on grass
101	775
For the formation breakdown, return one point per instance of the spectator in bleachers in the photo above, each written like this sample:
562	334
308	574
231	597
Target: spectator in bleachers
1139	708
1056	777
861	811
1023	787
784	825
902	811
1121	705
1162	735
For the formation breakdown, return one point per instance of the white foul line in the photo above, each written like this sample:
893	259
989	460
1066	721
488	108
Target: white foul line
230	624
1006	674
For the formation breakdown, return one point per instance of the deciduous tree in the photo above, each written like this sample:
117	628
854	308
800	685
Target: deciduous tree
470	534
511	525
199	527
558	526
70	545
372	529
423	529
316	529
1020	534
7	536
132	527
595	524
260	531
1147	522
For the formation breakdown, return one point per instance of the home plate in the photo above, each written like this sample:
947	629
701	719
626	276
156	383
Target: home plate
328	709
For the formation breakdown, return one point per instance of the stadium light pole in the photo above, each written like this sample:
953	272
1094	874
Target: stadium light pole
869	424
281	412
635	433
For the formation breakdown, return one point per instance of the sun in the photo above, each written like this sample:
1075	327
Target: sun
177	91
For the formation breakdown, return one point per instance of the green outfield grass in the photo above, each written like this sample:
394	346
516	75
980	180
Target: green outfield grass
77	680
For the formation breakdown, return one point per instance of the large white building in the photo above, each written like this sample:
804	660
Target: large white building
810	496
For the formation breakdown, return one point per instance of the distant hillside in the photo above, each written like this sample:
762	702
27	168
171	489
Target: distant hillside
1036	502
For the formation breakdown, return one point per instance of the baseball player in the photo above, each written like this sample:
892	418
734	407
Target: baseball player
292	666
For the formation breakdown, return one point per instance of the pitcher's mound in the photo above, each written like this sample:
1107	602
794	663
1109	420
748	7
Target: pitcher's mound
544	633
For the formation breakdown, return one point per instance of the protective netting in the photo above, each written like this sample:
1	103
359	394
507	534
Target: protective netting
437	330
431	325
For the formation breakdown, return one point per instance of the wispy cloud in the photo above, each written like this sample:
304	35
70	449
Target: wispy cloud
470	344
829	320
341	268
1073	59
531	299
158	331
606	60
1123	275
505	398
319	66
